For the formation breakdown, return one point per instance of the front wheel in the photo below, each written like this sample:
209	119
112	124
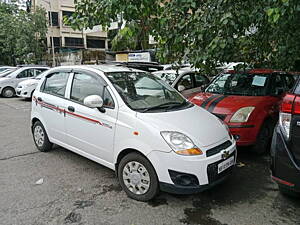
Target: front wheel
8	92
138	177
263	142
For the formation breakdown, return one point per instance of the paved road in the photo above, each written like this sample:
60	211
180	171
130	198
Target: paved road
78	191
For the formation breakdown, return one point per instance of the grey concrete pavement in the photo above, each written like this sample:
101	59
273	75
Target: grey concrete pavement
78	191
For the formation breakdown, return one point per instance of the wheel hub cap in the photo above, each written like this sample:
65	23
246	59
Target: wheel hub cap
39	136
136	177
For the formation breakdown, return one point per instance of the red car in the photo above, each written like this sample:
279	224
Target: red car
248	102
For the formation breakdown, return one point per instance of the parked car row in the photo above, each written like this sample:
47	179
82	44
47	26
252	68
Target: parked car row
139	124
10	81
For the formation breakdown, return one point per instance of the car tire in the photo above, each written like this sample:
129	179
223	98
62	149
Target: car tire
137	177
288	192
263	141
40	137
8	92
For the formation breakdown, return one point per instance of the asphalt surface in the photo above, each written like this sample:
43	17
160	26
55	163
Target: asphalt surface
76	190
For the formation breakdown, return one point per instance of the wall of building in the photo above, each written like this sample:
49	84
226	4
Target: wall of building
65	36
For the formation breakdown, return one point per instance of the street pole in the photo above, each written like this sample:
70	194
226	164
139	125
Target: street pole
52	40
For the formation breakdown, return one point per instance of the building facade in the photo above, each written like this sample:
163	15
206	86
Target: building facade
20	3
64	37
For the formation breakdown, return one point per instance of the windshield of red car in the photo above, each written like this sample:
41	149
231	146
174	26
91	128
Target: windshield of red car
240	84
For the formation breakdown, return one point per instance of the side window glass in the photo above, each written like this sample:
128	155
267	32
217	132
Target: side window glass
290	81
200	80
56	84
85	85
38	71
26	73
186	81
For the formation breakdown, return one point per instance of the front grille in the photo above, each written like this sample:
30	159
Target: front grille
217	149
212	171
220	116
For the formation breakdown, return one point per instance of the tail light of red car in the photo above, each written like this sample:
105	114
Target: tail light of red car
289	106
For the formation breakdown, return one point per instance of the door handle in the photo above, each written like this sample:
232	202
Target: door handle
71	109
39	99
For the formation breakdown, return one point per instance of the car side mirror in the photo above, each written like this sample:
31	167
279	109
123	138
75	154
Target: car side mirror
180	88
93	101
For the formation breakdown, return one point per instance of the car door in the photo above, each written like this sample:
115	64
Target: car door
89	130
51	99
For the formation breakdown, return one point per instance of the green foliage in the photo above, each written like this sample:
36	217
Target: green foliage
264	33
22	35
141	14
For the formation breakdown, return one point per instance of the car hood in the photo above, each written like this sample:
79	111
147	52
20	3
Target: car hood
202	127
216	103
28	82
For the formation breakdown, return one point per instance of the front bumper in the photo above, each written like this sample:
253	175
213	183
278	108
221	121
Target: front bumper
285	170
202	167
23	93
245	135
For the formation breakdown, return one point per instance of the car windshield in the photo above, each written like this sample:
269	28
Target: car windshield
240	84
7	72
144	92
167	76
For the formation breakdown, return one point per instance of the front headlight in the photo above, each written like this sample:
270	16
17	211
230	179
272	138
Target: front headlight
180	143
242	115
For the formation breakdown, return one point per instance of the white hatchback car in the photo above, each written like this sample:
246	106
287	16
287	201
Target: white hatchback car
26	88
154	140
11	81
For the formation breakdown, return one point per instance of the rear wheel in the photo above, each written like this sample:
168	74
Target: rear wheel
40	137
138	177
8	92
263	142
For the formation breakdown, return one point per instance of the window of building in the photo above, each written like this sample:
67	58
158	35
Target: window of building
95	43
67	14
54	17
73	42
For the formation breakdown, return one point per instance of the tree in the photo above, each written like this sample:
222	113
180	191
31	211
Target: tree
138	15
22	35
264	33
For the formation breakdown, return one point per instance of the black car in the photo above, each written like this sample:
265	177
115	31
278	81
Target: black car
285	150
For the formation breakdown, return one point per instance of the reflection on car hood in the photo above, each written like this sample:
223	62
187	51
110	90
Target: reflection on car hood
202	127
216	103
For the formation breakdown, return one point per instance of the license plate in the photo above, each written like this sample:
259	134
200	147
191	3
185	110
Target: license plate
225	164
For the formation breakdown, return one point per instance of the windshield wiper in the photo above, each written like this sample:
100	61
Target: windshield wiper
164	105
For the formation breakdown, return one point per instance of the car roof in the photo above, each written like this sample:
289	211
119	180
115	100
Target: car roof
180	71
258	71
103	68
